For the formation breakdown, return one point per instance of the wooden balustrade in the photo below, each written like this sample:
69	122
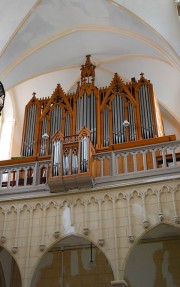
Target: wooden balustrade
23	172
30	172
137	159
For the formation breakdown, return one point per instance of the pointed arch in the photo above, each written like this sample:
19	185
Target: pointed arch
75	247
146	258
10	272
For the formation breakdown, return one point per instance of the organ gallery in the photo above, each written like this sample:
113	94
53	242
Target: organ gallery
72	129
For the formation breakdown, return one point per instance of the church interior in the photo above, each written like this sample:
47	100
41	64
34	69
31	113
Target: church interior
90	143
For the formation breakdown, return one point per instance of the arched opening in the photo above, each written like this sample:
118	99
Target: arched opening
154	261
73	261
9	271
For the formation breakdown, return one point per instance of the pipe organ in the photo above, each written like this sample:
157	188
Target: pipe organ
89	119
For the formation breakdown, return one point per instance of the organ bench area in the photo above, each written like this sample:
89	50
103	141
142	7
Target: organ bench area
70	129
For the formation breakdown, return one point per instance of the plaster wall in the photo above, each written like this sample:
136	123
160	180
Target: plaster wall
157	261
112	218
71	268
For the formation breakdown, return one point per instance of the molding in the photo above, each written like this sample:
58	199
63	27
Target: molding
101	242
14	249
86	231
137	178
56	234
177	219
131	238
3	239
145	224
119	283
159	239
161	217
42	247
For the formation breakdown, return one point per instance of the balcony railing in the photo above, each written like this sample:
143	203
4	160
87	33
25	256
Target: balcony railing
22	172
34	172
137	160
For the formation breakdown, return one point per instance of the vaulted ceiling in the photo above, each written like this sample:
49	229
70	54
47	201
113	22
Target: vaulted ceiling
44	42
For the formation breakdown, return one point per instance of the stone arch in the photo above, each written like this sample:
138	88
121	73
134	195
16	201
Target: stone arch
10	273
153	259
77	248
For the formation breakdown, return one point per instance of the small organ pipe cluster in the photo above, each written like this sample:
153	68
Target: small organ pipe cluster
66	125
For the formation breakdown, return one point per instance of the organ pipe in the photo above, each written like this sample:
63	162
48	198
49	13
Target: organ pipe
84	154
43	142
106	126
147	128
74	161
56	157
70	113
131	119
67	130
119	134
55	123
29	139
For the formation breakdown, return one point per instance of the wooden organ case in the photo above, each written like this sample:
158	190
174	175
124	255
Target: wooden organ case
70	128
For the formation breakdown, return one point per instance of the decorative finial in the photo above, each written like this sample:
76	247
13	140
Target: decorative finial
87	70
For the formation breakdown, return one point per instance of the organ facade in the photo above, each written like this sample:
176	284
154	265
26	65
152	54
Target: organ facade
119	113
71	128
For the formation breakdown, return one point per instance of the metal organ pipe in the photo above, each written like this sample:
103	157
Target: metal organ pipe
131	120
30	131
51	130
115	126
84	110
43	141
141	112
27	139
26	133
122	130
67	125
84	153
105	126
91	114
113	122
118	119
104	122
148	127
81	113
123	134
94	117
65	164
86	114
145	112
150	112
77	118
56	157
74	161
55	123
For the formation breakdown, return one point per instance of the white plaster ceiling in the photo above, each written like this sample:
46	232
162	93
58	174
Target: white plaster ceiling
43	42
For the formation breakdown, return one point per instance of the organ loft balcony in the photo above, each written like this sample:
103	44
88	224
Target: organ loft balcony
92	138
